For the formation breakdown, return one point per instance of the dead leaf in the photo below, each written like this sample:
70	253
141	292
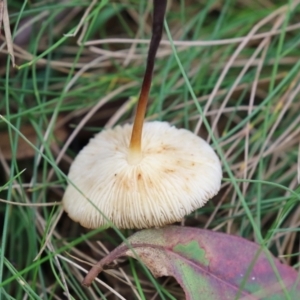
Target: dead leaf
208	264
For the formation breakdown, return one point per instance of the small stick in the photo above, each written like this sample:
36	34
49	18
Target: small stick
100	265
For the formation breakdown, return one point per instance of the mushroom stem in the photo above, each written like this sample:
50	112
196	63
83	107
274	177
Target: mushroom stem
159	9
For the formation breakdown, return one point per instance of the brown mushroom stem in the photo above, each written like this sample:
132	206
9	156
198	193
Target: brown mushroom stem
135	151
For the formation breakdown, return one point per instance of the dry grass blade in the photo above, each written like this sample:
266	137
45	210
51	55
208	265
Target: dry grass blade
97	280
1	14
93	3
30	204
200	43
299	165
6	26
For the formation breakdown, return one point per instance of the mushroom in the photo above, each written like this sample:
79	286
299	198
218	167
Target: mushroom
142	175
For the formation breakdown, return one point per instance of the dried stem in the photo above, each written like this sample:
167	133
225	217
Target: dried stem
100	265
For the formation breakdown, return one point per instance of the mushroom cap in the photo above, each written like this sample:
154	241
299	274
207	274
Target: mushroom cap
177	174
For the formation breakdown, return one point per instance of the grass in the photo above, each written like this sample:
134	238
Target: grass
230	74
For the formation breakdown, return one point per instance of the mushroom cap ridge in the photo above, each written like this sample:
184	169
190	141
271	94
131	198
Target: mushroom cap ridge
179	172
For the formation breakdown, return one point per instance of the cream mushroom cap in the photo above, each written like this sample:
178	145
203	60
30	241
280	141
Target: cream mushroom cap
178	173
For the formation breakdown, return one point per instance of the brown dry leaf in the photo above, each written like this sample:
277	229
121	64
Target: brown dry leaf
5	19
24	149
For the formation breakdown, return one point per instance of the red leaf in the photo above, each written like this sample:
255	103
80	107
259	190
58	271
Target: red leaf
209	265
